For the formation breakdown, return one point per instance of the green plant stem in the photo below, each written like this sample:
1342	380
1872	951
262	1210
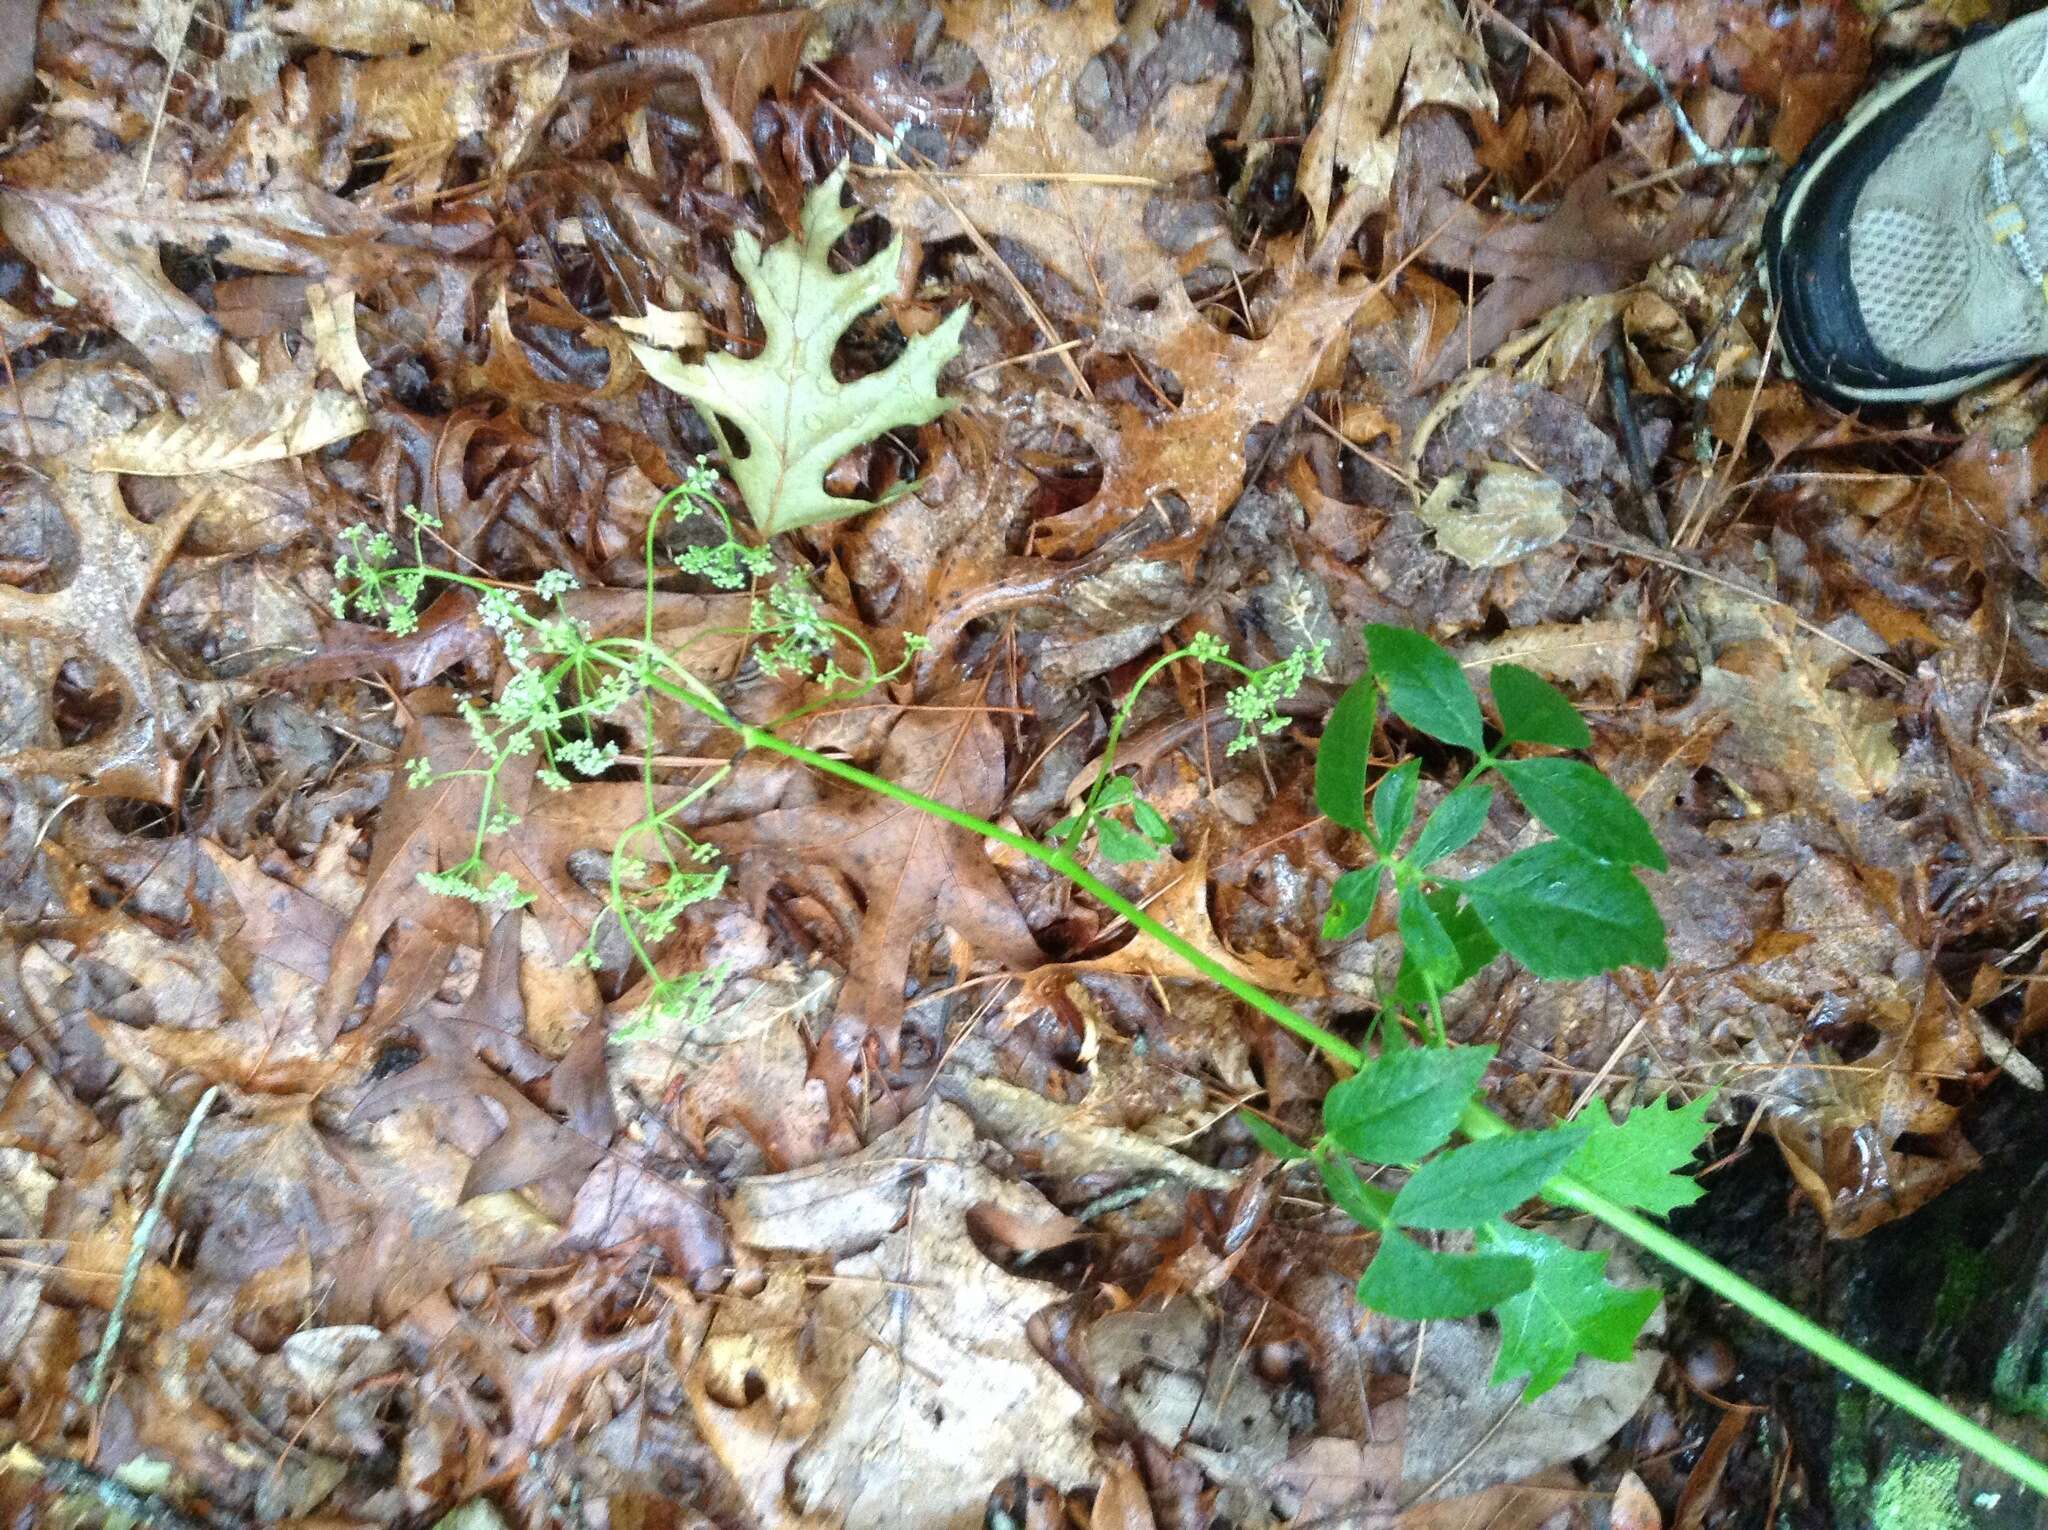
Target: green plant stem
1478	1123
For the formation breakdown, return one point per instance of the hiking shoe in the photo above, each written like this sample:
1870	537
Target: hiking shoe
1908	250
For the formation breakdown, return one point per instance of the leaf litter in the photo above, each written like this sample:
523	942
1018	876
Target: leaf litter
1270	325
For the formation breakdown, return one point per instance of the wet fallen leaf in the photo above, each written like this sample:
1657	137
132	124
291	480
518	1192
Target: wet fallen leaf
1196	451
1042	179
1390	57
914	871
929	1393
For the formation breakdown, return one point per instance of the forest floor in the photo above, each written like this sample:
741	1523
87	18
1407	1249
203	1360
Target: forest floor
1283	318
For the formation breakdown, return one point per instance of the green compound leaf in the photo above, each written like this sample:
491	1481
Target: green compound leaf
1578	804
1425	686
1533	711
1393	803
1568	1310
1640	1161
1151	823
1566	915
1403	1105
1484	1180
1271	1138
1406	1280
1121	846
798	419
1343	754
1352	900
1476	947
1427	949
1454	825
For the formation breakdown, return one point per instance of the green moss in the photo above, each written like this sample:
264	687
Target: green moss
1849	1470
1963	1280
2020	1383
1919	1493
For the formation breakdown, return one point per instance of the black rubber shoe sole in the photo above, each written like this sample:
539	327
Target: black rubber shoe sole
1806	255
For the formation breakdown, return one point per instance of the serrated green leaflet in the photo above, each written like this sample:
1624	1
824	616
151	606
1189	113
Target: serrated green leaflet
1343	754
1484	1180
1425	687
1568	1310
1393	803
1121	846
798	419
1271	1138
1367	1205
1582	807
1403	1105
1151	822
1564	914
1475	946
1351	901
1639	1161
1426	946
1454	824
1533	711
1406	1280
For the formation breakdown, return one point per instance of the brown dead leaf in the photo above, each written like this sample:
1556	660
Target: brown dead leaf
1043	180
1588	245
1633	1507
1808	59
514	1141
1121	1503
282	924
541	1385
1533	1504
416	80
423	829
268	422
929	1393
1349	1481
1391	57
93	616
1182	905
448	634
1602	657
1778	689
433	827
913	870
1196	451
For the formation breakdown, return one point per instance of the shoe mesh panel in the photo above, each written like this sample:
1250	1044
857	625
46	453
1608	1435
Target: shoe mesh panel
1906	270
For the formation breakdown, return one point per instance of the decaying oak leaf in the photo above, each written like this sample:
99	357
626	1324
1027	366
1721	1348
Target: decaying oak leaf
1589	245
433	827
1043	180
93	617
420	80
419	829
1288	59
541	1381
1196	451
1391	57
928	1391
269	422
1788	715
796	419
914	870
1875	1140
1580	656
331	326
1182	905
470	1097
